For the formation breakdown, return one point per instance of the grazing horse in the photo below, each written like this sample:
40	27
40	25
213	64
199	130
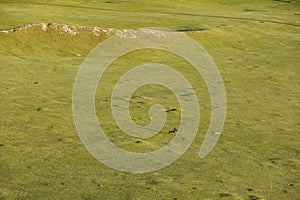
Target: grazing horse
173	131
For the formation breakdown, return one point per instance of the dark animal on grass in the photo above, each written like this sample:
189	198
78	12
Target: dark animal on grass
174	131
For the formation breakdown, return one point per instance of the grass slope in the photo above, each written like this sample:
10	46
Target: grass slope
41	155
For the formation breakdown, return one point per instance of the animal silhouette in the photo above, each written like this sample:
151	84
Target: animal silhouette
174	131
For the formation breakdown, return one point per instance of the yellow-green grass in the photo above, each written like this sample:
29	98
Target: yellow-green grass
42	157
179	14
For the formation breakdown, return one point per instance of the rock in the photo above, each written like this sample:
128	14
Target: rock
44	26
4	31
225	195
66	29
253	197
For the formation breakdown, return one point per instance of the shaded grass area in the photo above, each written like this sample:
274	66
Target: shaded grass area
141	13
42	157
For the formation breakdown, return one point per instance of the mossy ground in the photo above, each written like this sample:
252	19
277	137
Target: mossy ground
42	157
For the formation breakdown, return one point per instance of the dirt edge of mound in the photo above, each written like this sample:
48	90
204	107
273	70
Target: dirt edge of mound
64	29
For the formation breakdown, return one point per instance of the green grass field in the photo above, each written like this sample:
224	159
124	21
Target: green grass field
256	46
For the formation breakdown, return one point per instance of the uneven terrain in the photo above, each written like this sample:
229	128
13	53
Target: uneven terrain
255	45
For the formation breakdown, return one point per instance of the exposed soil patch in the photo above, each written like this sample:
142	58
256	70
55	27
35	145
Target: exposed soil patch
64	29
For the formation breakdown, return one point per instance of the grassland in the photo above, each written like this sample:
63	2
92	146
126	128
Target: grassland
256	47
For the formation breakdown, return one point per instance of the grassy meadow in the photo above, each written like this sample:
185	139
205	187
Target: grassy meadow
256	46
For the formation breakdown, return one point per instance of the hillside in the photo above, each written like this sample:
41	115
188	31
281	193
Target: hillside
255	46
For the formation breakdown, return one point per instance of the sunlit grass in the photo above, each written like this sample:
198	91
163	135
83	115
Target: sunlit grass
42	157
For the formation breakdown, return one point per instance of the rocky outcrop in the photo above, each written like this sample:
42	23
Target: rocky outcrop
64	29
